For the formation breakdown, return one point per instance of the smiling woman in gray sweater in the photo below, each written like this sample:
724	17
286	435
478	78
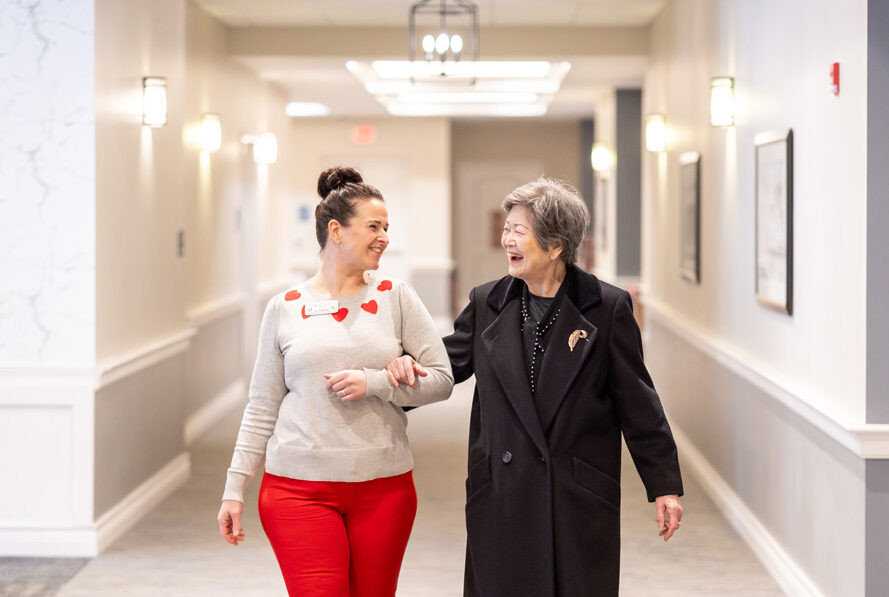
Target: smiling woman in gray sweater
337	499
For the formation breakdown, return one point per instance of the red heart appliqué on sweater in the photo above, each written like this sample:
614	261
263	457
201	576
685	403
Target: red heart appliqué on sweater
370	306
385	285
292	295
341	314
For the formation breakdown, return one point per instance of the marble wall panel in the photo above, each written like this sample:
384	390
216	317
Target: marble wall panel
47	183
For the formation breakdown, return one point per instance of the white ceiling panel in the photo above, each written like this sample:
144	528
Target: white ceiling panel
367	13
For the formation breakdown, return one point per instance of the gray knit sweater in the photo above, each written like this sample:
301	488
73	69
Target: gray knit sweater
304	430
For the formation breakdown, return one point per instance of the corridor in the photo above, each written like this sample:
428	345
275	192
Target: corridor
176	550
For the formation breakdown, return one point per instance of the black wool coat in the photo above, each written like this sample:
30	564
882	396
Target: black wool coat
543	490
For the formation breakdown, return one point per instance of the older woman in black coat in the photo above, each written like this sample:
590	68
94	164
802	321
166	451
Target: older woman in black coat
557	358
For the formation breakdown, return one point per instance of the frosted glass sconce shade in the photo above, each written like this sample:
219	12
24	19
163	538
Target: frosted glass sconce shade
722	101
655	133
211	133
154	101
601	158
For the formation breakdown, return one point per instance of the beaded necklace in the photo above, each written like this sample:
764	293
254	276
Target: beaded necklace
538	333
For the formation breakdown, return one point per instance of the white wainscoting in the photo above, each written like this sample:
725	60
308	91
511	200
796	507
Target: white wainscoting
777	561
199	423
118	367
46	433
130	510
771	462
865	441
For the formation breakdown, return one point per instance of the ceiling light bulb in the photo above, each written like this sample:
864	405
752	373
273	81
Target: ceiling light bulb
456	44
428	43
441	43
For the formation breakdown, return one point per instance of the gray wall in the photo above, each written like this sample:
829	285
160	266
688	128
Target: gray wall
877	504
877	211
629	181
877	513
139	423
586	183
215	360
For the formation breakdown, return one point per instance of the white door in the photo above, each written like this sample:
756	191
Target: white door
478	219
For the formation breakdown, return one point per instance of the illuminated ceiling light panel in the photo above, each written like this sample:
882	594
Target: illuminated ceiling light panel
419	69
506	110
484	88
466	97
298	109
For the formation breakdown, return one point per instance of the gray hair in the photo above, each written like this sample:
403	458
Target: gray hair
559	215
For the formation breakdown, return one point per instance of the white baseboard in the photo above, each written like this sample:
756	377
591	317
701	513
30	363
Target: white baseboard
790	577
133	508
48	543
88	542
198	423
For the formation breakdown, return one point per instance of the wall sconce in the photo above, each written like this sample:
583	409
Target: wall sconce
722	101
655	133
265	147
601	158
154	101
211	133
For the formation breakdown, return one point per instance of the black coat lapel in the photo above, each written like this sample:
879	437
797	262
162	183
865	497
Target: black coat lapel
503	343
561	364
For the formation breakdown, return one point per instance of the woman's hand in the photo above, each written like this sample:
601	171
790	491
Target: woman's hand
669	515
349	384
403	369
229	520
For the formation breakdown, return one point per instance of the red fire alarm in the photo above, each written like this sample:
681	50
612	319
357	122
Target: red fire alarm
835	78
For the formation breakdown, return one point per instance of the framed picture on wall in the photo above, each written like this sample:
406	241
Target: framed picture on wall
690	177
774	220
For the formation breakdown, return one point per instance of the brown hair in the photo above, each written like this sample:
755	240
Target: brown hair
340	189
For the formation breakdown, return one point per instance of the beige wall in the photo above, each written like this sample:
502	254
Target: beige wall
181	329
409	162
141	284
226	187
492	157
605	131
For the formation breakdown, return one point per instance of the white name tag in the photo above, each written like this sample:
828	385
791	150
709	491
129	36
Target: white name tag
323	307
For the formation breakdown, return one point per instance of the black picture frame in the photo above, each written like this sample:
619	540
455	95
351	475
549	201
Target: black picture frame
774	220
690	219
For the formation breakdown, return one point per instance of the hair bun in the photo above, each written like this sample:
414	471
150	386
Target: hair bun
335	178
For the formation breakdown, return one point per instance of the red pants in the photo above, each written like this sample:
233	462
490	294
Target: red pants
337	539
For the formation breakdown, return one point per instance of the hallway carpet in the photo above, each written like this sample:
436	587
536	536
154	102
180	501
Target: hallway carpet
176	550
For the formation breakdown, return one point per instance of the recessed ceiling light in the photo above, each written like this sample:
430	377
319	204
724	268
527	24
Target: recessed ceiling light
466	97
306	109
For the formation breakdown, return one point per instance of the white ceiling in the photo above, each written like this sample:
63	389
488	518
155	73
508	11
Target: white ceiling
365	13
327	81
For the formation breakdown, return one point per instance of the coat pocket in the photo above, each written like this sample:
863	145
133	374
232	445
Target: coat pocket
597	483
479	477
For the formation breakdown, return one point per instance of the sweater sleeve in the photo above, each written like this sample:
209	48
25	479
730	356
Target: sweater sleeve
267	391
420	339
